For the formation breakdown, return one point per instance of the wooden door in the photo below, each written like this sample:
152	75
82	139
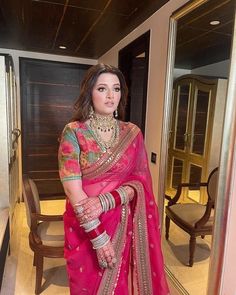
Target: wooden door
48	91
137	112
133	62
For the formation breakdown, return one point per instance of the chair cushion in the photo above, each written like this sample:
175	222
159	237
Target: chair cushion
51	233
190	213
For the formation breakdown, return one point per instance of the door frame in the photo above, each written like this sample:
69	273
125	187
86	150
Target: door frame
227	169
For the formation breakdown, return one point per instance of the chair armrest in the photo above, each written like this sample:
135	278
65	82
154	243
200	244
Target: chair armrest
36	218
175	199
206	215
44	217
168	197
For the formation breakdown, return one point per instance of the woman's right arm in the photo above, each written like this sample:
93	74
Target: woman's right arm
73	190
70	174
75	193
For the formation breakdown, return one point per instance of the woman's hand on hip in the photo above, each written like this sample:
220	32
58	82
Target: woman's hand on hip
106	256
90	209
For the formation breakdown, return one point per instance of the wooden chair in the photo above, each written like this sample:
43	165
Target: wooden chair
194	218
46	237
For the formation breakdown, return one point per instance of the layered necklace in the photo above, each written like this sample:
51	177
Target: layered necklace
102	124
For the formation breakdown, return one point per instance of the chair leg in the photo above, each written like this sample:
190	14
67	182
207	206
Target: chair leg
167	227
192	244
34	261
39	273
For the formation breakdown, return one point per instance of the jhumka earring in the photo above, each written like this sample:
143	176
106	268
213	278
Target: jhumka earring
116	113
91	112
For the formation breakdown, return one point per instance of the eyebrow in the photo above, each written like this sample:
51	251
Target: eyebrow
100	84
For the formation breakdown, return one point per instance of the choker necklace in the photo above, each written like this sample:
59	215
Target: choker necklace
101	124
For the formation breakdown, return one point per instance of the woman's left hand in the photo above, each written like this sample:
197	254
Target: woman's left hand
130	192
91	209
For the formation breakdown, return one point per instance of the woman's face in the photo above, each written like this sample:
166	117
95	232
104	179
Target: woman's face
106	94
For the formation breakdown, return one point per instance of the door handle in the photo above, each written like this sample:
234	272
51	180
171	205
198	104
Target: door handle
17	133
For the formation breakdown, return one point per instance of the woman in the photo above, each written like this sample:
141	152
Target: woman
112	239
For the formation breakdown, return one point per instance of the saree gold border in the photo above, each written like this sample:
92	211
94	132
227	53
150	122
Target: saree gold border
110	276
111	158
141	246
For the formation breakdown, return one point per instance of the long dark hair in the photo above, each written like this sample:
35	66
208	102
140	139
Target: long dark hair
84	101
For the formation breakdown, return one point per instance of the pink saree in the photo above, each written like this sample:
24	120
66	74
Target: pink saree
134	228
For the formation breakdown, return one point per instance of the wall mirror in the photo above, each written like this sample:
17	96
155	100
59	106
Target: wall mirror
196	99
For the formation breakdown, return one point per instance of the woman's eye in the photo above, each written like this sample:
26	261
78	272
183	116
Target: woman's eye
101	89
117	89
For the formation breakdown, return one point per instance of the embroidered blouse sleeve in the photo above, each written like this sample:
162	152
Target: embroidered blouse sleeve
68	156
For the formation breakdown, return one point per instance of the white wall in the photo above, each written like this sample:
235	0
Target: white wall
219	69
180	72
158	24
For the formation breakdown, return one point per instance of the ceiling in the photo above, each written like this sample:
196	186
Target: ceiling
88	28
199	43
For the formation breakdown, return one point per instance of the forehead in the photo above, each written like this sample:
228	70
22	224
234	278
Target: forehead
108	78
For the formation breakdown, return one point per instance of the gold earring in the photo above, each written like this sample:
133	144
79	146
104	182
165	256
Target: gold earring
116	113
91	112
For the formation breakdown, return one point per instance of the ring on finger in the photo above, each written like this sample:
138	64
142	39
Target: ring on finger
85	217
79	209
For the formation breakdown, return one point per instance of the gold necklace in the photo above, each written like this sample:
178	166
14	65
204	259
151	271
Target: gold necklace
104	124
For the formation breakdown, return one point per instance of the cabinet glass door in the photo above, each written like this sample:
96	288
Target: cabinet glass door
190	135
182	110
200	119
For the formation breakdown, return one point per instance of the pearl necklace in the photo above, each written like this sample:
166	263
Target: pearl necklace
104	124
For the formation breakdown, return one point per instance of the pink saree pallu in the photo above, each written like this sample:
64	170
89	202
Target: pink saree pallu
134	227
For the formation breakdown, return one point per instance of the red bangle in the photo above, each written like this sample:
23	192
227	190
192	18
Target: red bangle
116	197
95	232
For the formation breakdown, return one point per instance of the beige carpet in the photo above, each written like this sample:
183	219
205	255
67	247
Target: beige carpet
176	254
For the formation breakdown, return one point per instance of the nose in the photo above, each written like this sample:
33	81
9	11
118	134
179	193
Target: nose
110	94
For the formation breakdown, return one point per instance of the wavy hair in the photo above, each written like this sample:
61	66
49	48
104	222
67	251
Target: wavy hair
84	102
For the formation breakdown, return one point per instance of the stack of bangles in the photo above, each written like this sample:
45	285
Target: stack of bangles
96	233
94	229
113	199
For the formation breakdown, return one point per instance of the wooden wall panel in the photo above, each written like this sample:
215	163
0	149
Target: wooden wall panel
48	92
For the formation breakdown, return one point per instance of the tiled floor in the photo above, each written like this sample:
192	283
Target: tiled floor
19	276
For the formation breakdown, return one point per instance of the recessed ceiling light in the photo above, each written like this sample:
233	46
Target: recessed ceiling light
62	47
215	22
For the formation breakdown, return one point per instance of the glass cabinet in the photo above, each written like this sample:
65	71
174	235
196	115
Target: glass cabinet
194	112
